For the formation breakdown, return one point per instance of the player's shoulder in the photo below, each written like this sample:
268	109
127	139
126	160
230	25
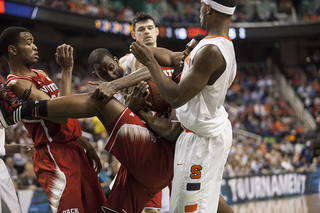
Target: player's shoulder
40	72
123	59
209	51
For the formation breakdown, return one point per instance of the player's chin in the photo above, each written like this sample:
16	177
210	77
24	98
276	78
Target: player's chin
149	43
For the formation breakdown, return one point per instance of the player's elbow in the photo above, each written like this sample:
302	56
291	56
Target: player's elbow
176	100
176	103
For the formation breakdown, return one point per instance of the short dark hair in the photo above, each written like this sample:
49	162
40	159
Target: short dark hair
10	36
198	37
141	16
97	55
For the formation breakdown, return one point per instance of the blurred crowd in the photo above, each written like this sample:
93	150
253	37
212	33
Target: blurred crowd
254	157
187	11
305	82
254	104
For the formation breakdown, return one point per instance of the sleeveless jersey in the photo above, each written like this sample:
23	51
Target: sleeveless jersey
44	131
2	141
205	114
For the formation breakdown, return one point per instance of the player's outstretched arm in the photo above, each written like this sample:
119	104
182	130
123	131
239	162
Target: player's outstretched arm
107	89
206	61
169	128
25	150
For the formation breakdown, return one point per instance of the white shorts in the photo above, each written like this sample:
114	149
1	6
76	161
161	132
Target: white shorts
7	192
198	169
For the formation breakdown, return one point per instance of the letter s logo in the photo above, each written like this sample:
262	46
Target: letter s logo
196	171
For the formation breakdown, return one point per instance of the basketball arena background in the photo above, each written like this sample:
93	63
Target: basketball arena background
274	103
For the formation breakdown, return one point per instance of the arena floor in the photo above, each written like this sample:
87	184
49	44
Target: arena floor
296	204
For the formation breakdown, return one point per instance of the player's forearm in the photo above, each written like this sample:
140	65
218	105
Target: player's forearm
66	83
12	148
165	57
83	142
167	87
141	74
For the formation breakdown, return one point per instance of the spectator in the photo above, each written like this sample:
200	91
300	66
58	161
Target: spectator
306	153
102	141
13	172
28	180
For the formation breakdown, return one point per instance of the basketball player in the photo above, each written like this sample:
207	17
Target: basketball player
198	99
7	191
144	156
144	30
60	163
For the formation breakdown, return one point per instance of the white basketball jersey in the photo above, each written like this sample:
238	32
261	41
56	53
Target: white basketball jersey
204	114
2	141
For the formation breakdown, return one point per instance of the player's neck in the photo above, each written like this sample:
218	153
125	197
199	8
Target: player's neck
218	26
19	69
153	45
224	31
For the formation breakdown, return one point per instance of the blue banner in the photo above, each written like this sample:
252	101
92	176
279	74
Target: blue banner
241	189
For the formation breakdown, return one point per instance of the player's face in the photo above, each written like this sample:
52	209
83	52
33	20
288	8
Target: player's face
189	47
27	51
146	32
203	10
107	70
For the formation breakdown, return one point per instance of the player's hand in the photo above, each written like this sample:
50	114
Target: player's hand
27	151
137	99
64	57
141	52
105	90
94	159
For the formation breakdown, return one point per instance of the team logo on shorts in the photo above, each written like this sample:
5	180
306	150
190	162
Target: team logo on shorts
73	210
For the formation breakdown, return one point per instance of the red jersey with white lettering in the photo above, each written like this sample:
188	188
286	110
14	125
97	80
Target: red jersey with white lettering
44	131
62	168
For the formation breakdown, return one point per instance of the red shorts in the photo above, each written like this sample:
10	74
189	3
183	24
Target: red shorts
71	184
146	163
155	203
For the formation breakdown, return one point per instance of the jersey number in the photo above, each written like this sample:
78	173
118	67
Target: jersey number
196	171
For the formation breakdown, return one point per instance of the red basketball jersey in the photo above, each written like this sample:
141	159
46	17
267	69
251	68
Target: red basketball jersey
44	131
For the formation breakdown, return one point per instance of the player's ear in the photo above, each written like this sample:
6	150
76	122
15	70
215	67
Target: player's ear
133	35
157	31
12	50
209	9
116	59
94	74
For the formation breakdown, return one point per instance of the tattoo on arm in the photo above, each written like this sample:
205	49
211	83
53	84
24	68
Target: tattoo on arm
26	93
